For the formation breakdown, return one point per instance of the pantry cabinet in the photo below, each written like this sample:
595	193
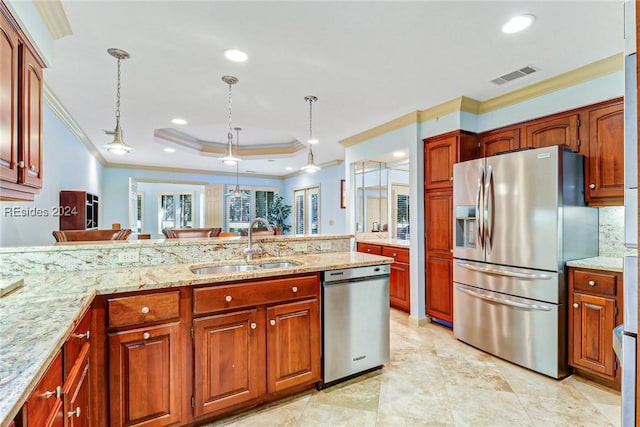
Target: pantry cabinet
441	152
21	84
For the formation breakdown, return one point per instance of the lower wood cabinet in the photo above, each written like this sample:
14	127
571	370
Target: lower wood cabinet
439	287
44	406
76	392
595	308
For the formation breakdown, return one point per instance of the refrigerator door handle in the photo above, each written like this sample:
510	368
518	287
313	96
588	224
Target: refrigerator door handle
525	276
488	208
479	225
504	301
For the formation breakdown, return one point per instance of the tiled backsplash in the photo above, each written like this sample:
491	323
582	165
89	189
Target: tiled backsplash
611	239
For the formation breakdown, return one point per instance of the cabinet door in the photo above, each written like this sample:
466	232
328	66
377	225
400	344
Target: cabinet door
606	154
499	141
8	102
44	406
76	342
228	360
554	131
369	249
439	287
592	319
438	212
399	286
293	345
145	376
31	127
76	393
439	157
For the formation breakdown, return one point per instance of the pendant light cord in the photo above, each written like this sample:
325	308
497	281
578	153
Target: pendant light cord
118	96
229	134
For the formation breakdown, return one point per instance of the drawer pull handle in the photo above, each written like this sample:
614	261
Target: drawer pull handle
76	413
228	298
253	325
145	310
576	305
272	322
592	282
369	250
294	289
592	186
146	335
21	164
57	393
81	336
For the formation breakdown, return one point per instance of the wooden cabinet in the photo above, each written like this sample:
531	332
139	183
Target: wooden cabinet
76	392
44	406
20	113
604	173
499	141
438	254
441	152
78	210
554	130
399	280
228	360
595	308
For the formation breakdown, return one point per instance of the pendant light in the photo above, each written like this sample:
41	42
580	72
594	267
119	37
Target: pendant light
310	167
118	146
229	158
237	192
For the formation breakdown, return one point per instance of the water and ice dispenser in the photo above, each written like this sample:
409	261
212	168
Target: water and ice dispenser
466	223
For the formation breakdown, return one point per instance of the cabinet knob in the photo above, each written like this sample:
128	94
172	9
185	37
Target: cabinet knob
253	325
395	254
272	322
294	289
576	305
592	282
57	393
21	164
76	413
32	167
144	310
451	178
82	336
369	250
228	298
146	335
592	186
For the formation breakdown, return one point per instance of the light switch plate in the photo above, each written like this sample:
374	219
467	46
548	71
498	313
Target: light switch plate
128	257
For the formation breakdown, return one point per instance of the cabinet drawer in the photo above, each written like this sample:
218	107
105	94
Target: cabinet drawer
224	297
45	402
140	309
399	254
598	283
370	249
78	338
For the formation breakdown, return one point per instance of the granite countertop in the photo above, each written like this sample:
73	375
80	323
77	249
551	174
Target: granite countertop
36	319
387	241
599	263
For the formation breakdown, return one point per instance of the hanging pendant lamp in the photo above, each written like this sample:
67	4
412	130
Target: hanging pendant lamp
310	167
118	146
230	158
237	192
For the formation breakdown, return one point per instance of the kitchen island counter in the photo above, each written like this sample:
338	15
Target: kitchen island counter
598	263
36	319
387	241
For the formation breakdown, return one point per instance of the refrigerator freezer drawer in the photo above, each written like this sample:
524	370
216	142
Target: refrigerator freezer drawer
629	388
630	292
529	333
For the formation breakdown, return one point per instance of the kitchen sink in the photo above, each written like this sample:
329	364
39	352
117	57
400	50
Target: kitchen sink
218	269
283	264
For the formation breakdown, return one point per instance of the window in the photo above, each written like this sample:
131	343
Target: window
140	212
401	211
175	210
306	210
254	203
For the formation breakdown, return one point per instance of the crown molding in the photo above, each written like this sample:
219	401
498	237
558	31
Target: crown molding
394	124
54	103
187	170
54	18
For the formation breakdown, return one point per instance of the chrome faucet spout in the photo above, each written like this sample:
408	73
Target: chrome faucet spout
250	250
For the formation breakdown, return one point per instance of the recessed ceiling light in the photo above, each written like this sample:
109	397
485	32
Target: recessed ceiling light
518	23
178	121
312	141
235	55
169	150
288	168
399	154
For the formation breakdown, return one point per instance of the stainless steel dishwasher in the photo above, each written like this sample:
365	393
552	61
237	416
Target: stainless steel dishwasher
355	319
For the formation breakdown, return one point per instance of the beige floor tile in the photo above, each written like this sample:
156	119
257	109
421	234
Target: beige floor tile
334	416
596	393
472	373
612	413
283	413
361	393
549	411
480	407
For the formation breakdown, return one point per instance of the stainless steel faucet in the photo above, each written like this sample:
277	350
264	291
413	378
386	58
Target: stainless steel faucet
250	250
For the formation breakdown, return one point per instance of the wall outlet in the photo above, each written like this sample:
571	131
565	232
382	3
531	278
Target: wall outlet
300	247
128	256
325	246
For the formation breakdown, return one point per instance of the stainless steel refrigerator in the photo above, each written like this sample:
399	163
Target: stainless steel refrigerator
518	217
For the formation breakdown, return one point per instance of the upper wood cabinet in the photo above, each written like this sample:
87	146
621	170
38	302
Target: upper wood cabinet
554	130
604	174
441	152
499	141
21	86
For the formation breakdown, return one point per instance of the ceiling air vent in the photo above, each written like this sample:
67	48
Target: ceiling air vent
515	75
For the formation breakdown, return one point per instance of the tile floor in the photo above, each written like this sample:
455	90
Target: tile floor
435	380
